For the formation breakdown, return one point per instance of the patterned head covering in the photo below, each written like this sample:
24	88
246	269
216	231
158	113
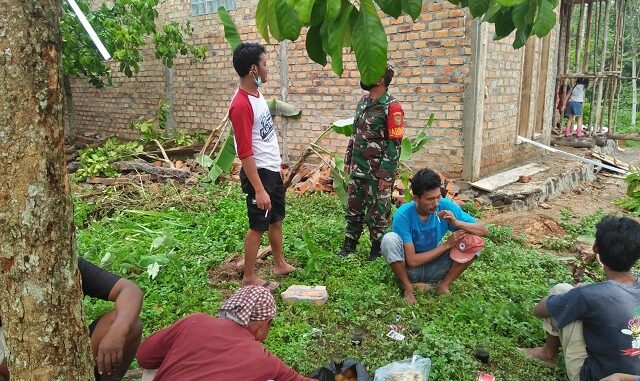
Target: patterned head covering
247	304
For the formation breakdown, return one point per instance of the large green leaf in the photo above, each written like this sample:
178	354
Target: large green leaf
313	44
546	19
304	8
391	7
343	126
333	9
340	180
504	24
405	149
413	8
509	3
288	21
318	13
230	31
224	159
278	107
335	38
522	35
518	14
492	11
204	160
370	44
272	20
478	7
530	17
262	23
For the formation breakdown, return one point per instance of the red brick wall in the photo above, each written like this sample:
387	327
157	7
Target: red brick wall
431	58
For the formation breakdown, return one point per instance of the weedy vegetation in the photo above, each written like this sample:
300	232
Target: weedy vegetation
170	241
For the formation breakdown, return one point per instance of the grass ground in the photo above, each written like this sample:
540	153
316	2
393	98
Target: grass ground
191	231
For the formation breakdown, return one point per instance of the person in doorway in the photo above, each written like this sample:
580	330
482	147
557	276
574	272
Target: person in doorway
261	175
574	107
371	160
413	248
597	325
115	336
223	348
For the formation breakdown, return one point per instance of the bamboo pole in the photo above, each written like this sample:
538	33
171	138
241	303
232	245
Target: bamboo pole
567	36
585	60
598	104
596	38
579	35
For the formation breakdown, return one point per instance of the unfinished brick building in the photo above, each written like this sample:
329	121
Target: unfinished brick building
483	92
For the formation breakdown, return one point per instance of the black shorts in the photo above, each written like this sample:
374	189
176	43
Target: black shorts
272	183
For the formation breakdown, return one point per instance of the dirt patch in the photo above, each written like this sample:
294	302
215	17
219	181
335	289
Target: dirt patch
541	227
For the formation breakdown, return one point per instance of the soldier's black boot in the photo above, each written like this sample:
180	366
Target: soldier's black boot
375	250
348	247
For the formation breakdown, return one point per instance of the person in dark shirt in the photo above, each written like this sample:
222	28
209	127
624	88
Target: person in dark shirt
224	348
597	325
115	336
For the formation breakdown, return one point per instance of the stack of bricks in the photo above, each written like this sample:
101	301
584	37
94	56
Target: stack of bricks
431	57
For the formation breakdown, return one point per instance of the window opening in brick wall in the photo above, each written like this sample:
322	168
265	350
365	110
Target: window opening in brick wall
204	7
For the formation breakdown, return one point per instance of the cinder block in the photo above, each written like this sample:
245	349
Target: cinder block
300	293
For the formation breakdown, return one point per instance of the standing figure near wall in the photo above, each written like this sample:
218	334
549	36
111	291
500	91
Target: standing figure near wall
372	159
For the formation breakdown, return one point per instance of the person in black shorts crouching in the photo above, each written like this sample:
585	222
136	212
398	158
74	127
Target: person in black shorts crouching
115	336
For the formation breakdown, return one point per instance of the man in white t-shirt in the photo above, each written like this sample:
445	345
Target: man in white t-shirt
258	150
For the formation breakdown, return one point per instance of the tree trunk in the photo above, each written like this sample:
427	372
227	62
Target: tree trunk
40	295
69	109
634	82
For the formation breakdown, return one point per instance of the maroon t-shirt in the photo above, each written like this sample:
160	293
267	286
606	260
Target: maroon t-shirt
201	347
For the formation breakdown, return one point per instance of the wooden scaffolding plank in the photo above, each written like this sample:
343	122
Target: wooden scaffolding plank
501	179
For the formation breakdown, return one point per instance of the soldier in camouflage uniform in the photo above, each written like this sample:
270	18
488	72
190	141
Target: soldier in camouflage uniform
372	160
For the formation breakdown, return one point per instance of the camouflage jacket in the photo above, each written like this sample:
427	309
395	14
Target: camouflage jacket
374	147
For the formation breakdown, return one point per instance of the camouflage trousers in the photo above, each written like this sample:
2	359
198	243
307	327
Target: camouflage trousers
367	204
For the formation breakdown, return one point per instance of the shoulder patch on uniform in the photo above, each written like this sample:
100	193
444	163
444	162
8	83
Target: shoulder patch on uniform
395	121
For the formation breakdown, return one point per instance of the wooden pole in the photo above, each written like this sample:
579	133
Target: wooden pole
579	36
567	36
585	60
598	103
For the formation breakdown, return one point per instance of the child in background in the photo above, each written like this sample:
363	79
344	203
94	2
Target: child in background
574	107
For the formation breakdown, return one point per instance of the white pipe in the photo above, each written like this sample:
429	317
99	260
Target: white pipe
579	158
92	33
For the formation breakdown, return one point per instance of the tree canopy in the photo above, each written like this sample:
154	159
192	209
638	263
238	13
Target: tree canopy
124	27
337	24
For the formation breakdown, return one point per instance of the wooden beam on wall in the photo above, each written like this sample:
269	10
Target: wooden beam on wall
473	119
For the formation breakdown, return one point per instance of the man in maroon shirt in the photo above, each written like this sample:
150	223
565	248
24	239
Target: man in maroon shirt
227	348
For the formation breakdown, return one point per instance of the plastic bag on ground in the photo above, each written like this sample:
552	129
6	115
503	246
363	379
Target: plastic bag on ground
347	370
412	369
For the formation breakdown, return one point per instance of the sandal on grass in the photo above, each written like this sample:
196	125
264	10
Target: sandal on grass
271	285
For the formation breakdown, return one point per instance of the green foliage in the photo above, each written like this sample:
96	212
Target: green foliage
632	201
97	161
408	147
230	31
337	24
585	226
222	162
124	28
195	230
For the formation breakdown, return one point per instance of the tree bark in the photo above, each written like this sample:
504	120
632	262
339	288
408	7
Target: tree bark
634	83
69	110
630	136
40	295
